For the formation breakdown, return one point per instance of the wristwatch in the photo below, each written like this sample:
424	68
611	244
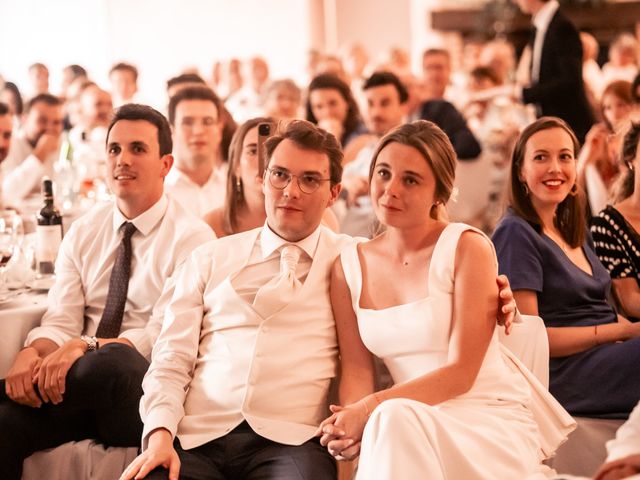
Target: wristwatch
92	343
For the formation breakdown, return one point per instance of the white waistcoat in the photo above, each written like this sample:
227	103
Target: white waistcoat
273	372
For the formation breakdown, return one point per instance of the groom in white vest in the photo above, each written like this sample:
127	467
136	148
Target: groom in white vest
240	373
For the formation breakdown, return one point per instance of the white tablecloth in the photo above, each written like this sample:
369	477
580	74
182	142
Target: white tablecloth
17	318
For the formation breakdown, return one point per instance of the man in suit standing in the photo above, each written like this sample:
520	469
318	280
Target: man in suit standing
556	86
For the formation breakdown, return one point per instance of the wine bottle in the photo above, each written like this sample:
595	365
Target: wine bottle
48	231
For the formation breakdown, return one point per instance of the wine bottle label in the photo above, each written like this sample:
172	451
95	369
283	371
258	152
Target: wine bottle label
48	238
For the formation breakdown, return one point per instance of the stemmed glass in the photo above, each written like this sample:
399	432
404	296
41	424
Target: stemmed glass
10	239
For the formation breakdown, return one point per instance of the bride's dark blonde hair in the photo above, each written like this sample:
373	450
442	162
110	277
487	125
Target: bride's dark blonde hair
435	147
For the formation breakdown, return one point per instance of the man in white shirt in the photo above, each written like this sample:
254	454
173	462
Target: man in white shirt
240	379
34	148
124	83
39	79
386	108
623	459
113	264
96	110
88	136
199	177
248	101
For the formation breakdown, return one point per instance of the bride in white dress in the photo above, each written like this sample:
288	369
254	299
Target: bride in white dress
422	296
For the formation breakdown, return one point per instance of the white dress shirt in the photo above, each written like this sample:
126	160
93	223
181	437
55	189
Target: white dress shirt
217	363
541	21
358	220
627	441
23	171
194	198
165	236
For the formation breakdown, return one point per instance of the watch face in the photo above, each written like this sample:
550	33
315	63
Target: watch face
90	341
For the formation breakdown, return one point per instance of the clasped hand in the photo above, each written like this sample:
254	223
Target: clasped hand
341	433
49	374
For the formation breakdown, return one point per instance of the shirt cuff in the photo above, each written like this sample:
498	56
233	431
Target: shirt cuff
23	179
158	418
621	451
138	337
48	333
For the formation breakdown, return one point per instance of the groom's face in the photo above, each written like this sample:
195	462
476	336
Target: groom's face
292	213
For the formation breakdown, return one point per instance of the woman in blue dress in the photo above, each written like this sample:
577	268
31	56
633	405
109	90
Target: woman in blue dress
544	249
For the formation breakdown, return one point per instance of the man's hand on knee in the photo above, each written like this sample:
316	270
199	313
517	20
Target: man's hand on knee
55	366
159	453
21	377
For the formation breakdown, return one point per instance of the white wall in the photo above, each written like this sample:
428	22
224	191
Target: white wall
377	24
160	36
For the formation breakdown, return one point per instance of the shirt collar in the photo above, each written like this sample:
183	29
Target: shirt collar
271	241
146	221
175	177
542	19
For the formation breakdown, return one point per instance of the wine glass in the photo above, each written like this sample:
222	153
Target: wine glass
10	239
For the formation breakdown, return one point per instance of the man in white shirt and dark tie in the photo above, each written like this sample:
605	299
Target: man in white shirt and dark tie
198	179
79	375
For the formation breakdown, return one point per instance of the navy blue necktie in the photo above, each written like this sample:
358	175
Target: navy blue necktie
111	321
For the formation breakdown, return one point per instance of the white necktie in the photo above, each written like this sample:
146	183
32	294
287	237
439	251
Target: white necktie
279	291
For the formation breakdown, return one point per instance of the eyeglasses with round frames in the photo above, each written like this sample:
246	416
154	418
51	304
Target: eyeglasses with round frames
307	183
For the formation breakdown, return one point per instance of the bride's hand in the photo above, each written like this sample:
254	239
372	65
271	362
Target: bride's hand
339	445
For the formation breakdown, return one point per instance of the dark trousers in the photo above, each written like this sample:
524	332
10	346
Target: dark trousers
242	454
101	402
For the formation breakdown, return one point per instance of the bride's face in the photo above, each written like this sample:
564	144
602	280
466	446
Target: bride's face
402	187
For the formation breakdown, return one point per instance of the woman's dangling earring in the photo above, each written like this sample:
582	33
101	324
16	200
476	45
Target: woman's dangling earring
574	190
238	185
433	211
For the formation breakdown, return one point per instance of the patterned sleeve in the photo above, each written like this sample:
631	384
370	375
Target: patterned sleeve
610	247
519	256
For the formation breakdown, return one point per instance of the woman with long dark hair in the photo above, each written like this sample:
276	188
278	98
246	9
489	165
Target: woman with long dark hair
544	249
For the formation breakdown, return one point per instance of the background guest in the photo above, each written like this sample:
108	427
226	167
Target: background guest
543	248
197	180
283	100
244	208
331	105
556	86
615	230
